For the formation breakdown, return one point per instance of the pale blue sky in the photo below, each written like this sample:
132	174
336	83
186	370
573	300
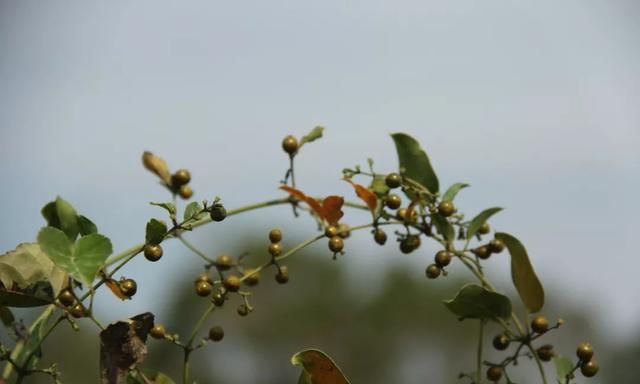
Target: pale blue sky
536	104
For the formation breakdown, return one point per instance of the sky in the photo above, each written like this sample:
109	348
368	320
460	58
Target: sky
535	104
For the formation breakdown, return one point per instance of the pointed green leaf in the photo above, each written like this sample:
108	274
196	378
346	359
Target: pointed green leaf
563	367
156	230
414	162
476	302
453	190
60	214
444	227
315	134
480	219
524	277
193	211
318	368
86	226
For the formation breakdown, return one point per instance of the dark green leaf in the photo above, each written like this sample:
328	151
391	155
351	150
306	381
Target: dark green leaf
193	211
522	273
318	368
444	227
7	316
480	219
563	367
156	230
476	302
60	214
36	295
315	134
414	162
379	186
86	226
453	190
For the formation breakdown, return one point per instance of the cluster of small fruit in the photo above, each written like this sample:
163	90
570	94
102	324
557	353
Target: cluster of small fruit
68	300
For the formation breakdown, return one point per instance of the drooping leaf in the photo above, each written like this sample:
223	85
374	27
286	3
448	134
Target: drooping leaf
35	295
453	190
81	260
522	273
379	186
60	214
27	265
86	226
480	219
155	231
444	227
476	302
123	347
563	367
193	211
366	195
169	207
157	165
332	209
318	368
414	162
315	134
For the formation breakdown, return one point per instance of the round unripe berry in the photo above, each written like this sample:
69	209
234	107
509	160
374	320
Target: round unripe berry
203	289
393	180
380	236
290	145
218	212
545	353
484	228
224	262
443	258
584	352
152	252
252	278
67	298
410	243
216	333
231	283
344	231
282	276
446	208
185	192
501	342
218	300
158	331
589	369
128	287
336	244
393	201
433	271
180	178
540	324
275	249
494	373
482	252
78	311
496	246
203	277
243	310
275	235
403	214
331	231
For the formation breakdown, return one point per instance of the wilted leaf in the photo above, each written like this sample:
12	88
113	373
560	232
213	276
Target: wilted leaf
480	219
193	211
86	226
114	287
36	295
563	367
155	231
315	134
60	214
366	195
476	302
332	209
82	259
318	368
123	347
414	162
444	227
379	185
157	165
453	190
522	273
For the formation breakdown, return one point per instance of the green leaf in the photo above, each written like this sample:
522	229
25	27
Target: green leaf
169	207
444	227
35	295
379	186
476	302
522	273
315	134
156	230
86	226
318	368
81	261
193	211
480	219
7	316
414	162
563	367
60	214
157	378
31	345
453	190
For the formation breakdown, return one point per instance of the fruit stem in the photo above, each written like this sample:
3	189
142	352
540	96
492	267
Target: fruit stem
479	355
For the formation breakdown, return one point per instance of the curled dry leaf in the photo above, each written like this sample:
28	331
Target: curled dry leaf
366	195
329	210
115	288
157	165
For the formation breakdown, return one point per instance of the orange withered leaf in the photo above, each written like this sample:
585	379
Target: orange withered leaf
366	195
332	207
115	288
